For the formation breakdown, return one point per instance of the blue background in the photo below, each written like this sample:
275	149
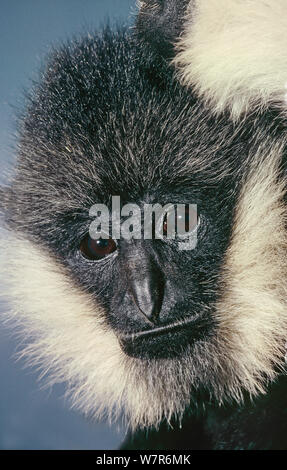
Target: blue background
30	417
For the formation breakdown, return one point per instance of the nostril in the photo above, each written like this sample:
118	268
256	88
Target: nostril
147	290
148	297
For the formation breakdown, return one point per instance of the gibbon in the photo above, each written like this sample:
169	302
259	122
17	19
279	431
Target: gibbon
187	109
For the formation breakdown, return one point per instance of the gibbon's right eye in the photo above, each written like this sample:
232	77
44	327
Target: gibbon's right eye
97	249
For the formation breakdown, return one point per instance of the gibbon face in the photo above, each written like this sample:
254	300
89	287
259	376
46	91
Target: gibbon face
139	324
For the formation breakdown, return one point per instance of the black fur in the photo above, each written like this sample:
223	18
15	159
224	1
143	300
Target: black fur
258	425
159	25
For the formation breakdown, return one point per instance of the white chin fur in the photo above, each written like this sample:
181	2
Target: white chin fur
69	338
233	53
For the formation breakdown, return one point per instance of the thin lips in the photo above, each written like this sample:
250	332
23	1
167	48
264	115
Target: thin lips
197	321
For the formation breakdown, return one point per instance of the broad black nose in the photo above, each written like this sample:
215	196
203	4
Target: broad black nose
146	285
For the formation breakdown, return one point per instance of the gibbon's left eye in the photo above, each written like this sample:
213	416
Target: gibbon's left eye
97	249
191	221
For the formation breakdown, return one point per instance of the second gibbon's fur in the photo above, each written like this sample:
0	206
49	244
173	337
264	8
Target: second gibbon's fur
110	117
230	52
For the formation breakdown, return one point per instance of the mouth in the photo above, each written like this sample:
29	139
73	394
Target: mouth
166	341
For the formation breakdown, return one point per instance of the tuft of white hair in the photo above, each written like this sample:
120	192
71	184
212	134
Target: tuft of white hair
234	53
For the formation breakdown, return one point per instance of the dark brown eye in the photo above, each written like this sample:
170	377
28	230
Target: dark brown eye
97	249
191	219
164	226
